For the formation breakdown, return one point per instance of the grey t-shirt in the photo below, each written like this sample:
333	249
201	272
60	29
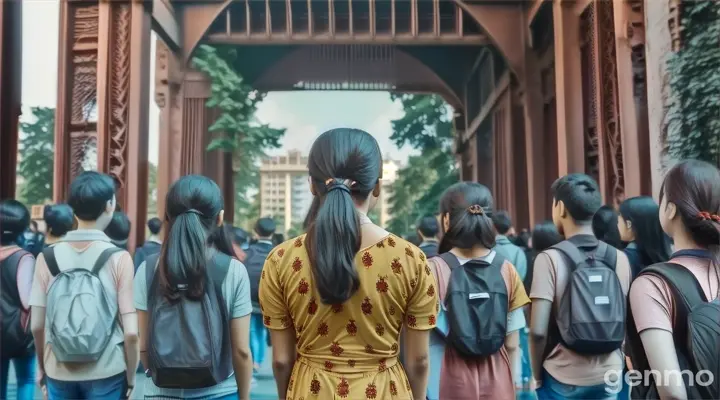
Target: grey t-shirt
236	292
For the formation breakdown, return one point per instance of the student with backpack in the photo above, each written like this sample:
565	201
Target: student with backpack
481	297
59	219
16	274
639	227
578	294
152	244
254	261
83	319
193	303
675	306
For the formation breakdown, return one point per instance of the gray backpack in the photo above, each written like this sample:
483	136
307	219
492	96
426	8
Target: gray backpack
591	313
81	315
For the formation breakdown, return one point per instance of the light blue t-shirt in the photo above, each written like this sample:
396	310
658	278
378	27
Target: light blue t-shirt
236	292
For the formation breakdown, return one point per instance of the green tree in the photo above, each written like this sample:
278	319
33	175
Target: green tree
236	129
427	127
36	156
692	119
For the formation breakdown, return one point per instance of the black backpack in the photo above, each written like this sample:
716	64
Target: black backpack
189	341
477	306
17	341
256	255
590	316
696	334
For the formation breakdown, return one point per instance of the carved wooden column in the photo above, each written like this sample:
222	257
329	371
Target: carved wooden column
218	165
568	83
169	98
75	119
632	95
123	102
10	79
535	157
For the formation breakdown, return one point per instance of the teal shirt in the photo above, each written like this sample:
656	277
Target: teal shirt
512	253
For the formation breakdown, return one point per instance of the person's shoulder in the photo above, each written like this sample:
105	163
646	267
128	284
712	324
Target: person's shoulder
289	249
399	246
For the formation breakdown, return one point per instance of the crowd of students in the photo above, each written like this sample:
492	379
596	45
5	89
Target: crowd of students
477	311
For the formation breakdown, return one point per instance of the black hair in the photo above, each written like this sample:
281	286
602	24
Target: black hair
344	165
59	219
604	226
580	194
694	187
643	214
502	222
154	225
428	226
239	236
14	220
89	194
414	239
467	229
265	227
118	229
544	236
192	206
221	239
523	239
278	239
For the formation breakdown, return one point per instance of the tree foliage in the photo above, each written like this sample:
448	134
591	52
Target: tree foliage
236	129
36	156
692	120
427	127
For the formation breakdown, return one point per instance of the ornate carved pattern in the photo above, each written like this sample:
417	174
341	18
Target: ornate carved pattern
589	87
119	87
610	113
82	131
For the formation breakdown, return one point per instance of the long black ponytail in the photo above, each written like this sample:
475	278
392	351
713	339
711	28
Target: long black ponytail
192	206
344	165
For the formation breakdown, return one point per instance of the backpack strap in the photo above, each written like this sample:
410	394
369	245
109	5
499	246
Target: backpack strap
607	254
150	267
103	259
441	270
682	282
577	257
51	262
450	259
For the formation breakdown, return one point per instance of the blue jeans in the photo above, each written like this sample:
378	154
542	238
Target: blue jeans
112	388
552	389
258	338
24	374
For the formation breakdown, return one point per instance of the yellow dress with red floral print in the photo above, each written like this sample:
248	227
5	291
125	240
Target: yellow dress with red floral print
350	350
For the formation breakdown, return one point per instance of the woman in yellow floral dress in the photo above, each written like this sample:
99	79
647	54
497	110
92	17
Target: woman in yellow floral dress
335	300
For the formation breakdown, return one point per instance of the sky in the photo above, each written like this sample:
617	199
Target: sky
305	114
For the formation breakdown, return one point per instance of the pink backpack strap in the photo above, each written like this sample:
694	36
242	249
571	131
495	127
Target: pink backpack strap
442	275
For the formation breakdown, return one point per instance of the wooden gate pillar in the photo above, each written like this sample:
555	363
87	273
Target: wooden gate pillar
568	81
10	79
123	101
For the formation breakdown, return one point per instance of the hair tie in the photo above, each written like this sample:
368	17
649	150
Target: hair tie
476	209
706	216
341	184
193	211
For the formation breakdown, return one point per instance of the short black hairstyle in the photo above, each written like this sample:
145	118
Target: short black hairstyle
265	227
580	194
428	226
89	194
14	220
502	222
154	224
59	219
119	227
